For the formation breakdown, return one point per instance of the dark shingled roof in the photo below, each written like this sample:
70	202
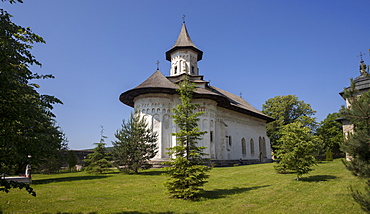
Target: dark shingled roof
158	83
362	83
184	42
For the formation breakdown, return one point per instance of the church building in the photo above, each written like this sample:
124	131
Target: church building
362	85
236	131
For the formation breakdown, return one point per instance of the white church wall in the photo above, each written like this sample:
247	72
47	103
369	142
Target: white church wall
225	128
232	128
156	108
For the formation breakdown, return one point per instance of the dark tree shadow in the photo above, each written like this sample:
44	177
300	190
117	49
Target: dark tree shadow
125	212
137	212
222	193
318	178
78	178
151	172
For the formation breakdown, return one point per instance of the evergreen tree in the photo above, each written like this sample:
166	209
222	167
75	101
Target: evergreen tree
357	146
136	144
296	148
98	162
72	160
186	166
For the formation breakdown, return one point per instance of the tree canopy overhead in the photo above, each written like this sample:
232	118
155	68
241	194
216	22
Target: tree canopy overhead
27	123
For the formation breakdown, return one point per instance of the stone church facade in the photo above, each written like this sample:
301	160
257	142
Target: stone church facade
236	131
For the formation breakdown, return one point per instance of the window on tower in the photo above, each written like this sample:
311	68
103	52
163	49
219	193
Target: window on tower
175	69
192	69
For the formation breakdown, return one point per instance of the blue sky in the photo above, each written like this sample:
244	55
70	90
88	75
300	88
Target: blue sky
98	49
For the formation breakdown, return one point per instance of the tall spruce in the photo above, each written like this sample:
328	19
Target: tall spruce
98	162
136	144
186	167
356	145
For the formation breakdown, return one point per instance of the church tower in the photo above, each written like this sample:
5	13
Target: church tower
184	55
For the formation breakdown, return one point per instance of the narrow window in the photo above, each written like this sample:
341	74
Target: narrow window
192	69
211	136
252	146
175	69
230	141
244	147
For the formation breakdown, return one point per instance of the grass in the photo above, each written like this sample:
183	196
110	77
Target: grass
242	189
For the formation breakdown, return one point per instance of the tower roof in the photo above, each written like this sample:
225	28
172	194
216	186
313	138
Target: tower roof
184	42
362	82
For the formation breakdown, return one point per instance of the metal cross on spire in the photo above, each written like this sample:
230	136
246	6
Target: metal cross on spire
361	54
157	64
183	18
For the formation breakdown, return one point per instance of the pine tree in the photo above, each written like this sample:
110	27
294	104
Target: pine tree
136	144
296	149
72	160
357	146
186	166
97	162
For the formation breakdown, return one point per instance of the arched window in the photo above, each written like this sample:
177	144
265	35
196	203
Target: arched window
252	146
244	147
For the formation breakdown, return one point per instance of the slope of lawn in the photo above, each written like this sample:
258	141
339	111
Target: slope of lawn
243	189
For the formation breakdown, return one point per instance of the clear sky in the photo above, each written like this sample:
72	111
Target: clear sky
98	49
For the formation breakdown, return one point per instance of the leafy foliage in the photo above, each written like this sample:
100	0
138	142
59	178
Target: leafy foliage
296	149
357	144
186	166
27	125
331	134
136	144
98	162
285	110
5	186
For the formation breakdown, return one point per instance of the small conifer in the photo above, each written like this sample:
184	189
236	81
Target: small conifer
186	167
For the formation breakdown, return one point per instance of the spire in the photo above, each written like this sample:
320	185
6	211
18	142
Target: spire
184	42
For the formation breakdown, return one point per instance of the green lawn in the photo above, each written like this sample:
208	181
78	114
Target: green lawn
242	189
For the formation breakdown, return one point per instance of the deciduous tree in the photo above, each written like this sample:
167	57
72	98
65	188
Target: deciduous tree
331	134
285	110
296	149
27	125
186	167
136	144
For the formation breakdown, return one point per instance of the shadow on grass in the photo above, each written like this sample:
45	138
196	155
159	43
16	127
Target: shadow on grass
127	212
222	193
152	172
318	178
77	178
